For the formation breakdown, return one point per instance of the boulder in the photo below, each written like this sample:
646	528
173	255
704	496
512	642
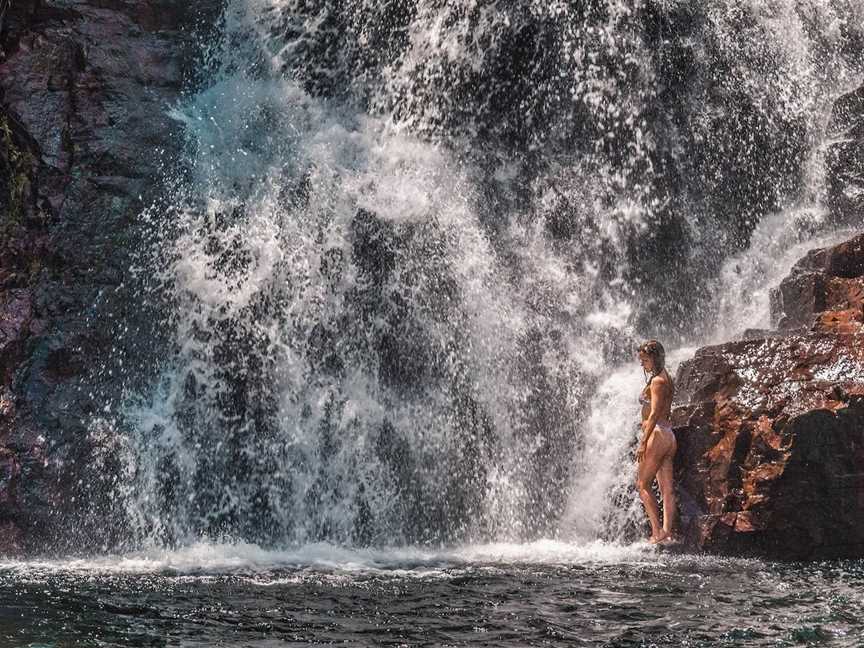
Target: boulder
825	290
771	428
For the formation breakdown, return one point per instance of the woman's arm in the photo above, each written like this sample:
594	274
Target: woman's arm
650	423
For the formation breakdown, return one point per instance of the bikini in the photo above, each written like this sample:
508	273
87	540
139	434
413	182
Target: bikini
666	426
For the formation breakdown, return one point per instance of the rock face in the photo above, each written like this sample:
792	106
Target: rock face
84	132
771	429
844	160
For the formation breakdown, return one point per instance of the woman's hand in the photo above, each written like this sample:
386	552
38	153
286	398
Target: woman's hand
643	442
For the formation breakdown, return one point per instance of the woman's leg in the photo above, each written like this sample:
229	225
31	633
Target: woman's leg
644	479
667	490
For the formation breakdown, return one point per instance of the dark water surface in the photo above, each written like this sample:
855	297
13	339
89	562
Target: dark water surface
540	594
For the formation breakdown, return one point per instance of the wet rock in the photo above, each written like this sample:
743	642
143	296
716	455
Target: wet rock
825	290
11	541
85	88
771	428
844	160
15	318
15	322
848	110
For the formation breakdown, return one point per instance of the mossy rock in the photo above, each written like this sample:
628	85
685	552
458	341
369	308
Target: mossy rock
17	167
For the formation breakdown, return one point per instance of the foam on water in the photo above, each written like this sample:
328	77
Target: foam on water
204	558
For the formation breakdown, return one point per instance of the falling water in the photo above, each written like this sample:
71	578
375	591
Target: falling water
403	275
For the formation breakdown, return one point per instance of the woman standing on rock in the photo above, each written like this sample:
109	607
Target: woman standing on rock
657	445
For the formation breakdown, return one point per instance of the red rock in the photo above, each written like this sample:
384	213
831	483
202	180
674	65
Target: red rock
771	429
825	291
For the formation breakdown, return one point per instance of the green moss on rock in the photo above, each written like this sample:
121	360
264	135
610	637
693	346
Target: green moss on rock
16	167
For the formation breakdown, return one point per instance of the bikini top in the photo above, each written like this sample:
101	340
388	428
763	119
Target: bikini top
644	395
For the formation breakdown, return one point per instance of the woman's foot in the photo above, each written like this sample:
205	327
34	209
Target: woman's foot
659	537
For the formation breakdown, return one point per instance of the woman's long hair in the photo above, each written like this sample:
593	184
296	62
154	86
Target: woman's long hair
655	350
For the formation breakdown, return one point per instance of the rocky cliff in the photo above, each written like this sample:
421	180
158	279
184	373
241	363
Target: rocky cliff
771	429
84	134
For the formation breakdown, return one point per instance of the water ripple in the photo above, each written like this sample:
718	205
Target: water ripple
537	594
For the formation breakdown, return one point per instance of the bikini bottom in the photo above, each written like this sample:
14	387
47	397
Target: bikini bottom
666	426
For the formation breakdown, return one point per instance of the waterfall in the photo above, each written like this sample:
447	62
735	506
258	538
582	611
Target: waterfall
403	272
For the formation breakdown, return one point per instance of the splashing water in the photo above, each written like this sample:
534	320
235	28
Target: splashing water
747	279
416	243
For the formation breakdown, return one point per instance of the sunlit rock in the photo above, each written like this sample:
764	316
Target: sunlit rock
771	429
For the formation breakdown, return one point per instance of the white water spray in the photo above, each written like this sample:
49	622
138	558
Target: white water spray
371	349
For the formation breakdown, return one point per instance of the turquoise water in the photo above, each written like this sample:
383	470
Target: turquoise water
540	594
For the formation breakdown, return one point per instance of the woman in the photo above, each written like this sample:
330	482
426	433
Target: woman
657	445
